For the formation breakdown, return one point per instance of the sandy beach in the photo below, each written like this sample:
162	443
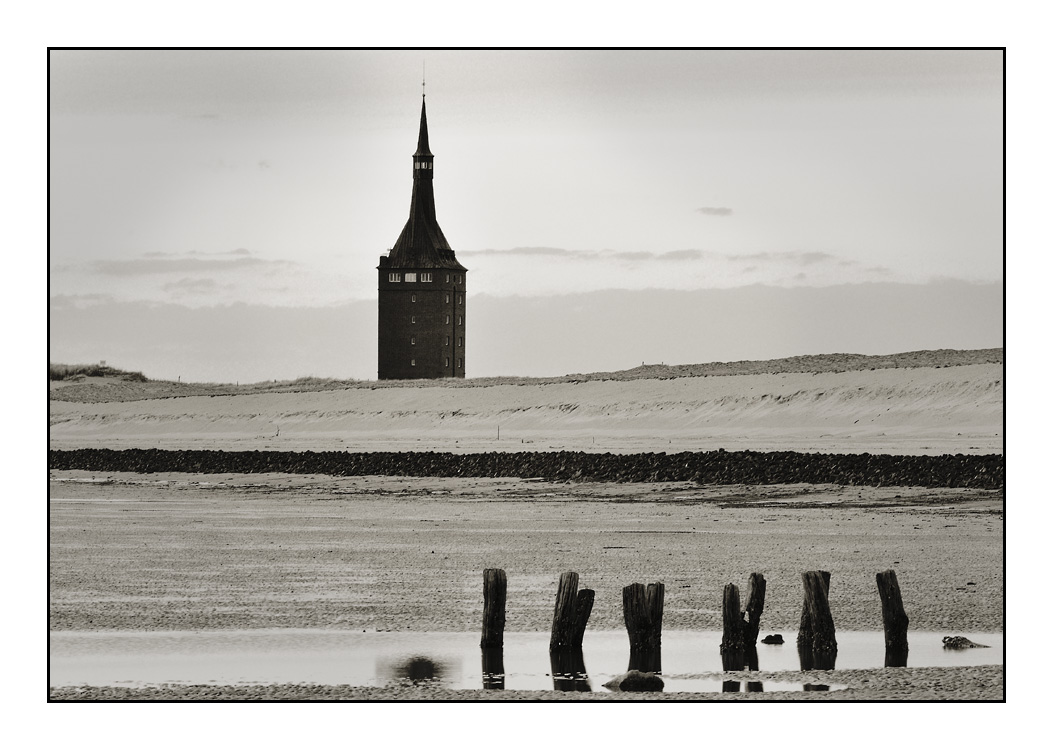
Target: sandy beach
183	552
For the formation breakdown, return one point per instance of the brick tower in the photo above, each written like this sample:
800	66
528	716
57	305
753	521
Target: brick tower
421	288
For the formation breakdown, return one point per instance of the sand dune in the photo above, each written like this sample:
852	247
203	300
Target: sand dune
895	410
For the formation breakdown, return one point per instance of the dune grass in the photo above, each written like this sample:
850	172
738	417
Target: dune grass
73	372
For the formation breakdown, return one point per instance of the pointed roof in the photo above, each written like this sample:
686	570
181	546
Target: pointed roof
422	139
422	243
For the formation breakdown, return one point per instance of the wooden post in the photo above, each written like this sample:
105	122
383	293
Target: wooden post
642	607
804	634
732	649
495	586
894	619
754	607
582	611
892	614
563	618
823	644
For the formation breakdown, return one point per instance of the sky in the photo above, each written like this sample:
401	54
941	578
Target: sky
229	196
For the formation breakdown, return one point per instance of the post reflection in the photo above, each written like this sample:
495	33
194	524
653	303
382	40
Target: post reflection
568	671
493	668
645	659
816	659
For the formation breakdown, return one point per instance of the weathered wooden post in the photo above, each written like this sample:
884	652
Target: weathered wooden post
563	618
569	621
582	611
571	615
754	607
817	624
894	618
495	586
732	647
643	607
804	633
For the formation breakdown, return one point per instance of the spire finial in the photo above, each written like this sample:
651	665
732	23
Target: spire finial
423	78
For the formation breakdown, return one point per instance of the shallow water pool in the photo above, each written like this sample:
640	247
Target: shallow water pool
690	659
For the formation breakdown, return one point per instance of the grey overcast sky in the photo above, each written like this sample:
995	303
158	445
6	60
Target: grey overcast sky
201	179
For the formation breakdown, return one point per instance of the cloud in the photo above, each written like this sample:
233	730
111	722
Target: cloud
631	256
714	211
681	255
525	251
195	286
152	264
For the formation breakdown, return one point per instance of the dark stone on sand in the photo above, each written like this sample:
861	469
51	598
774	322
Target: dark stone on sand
635	681
704	467
772	639
960	642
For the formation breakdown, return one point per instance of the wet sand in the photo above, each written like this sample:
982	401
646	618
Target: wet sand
180	552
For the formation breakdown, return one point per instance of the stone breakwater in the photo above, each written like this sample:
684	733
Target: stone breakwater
705	467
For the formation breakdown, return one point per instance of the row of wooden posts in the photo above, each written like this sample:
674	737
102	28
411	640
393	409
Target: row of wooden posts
642	607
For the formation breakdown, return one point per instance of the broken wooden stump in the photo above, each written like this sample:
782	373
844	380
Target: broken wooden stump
495	586
893	616
738	645
642	607
582	611
754	608
571	615
732	645
804	633
816	641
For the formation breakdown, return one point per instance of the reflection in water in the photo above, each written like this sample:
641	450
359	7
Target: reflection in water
419	670
568	671
494	668
415	669
735	660
896	657
816	659
645	659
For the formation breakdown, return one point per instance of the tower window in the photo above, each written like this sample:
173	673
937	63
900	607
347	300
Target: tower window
447	361
412	318
460	341
460	320
447	278
394	277
413	363
411	277
460	299
447	299
413	297
447	341
426	278
447	320
413	341
460	362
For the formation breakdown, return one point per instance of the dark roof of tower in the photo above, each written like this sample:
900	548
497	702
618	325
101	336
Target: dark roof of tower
422	139
422	244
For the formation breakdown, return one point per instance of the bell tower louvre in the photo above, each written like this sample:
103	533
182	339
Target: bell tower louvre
421	288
